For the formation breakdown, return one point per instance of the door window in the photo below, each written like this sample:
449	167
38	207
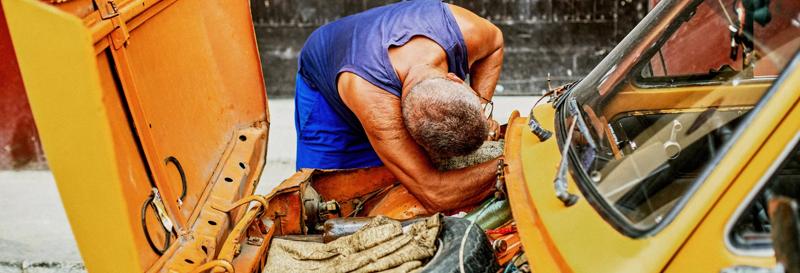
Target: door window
751	231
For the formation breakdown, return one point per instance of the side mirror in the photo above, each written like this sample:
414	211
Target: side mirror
785	220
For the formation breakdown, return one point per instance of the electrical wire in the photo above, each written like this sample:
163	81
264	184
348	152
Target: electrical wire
149	202
174	161
510	268
364	199
167	240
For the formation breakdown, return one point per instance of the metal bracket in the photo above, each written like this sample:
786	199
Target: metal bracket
500	184
109	10
161	211
228	220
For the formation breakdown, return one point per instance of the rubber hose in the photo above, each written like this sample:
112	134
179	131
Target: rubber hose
167	241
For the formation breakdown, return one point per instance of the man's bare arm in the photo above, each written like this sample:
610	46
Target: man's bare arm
484	73
379	112
485	47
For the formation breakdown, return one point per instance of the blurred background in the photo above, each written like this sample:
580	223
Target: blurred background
563	38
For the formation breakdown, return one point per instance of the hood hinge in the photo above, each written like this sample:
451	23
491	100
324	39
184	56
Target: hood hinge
109	10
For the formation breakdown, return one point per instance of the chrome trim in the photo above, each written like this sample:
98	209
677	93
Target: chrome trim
747	201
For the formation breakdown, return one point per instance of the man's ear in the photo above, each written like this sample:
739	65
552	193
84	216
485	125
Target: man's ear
453	77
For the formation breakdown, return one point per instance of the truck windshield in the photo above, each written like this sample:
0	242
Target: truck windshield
644	137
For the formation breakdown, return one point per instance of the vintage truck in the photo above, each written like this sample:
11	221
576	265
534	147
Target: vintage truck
154	120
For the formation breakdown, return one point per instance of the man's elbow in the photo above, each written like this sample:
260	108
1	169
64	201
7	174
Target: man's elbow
437	201
433	206
498	40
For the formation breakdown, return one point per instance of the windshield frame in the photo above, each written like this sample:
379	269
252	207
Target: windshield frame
625	54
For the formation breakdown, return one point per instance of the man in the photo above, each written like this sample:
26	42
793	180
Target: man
385	86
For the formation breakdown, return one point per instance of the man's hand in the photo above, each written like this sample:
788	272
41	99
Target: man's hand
494	130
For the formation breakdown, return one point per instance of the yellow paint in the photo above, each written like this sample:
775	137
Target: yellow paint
773	130
188	93
578	239
537	244
60	73
575	239
80	130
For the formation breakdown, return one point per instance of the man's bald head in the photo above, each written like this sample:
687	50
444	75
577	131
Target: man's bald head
444	117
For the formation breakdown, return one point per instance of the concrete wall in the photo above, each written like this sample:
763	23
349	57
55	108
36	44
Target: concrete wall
565	38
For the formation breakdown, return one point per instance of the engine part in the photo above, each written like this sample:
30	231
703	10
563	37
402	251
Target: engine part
339	227
316	210
491	214
499	245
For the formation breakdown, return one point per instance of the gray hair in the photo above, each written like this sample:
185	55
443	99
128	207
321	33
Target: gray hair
444	117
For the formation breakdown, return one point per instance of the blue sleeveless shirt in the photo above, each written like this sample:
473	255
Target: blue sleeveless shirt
329	134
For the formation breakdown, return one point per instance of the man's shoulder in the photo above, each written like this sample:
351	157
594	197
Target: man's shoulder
348	82
476	30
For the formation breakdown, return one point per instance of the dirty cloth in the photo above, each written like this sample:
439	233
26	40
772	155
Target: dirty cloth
380	246
488	151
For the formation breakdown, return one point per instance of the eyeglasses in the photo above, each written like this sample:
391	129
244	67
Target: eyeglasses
488	107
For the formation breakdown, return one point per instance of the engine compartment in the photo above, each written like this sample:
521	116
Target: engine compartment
323	206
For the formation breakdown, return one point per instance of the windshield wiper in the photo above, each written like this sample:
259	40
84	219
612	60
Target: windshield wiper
560	183
582	127
557	97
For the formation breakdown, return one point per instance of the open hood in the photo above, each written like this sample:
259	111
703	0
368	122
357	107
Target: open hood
153	117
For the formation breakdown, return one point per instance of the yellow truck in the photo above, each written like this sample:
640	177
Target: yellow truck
154	120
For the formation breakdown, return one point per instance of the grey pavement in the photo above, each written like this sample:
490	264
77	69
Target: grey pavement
35	235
